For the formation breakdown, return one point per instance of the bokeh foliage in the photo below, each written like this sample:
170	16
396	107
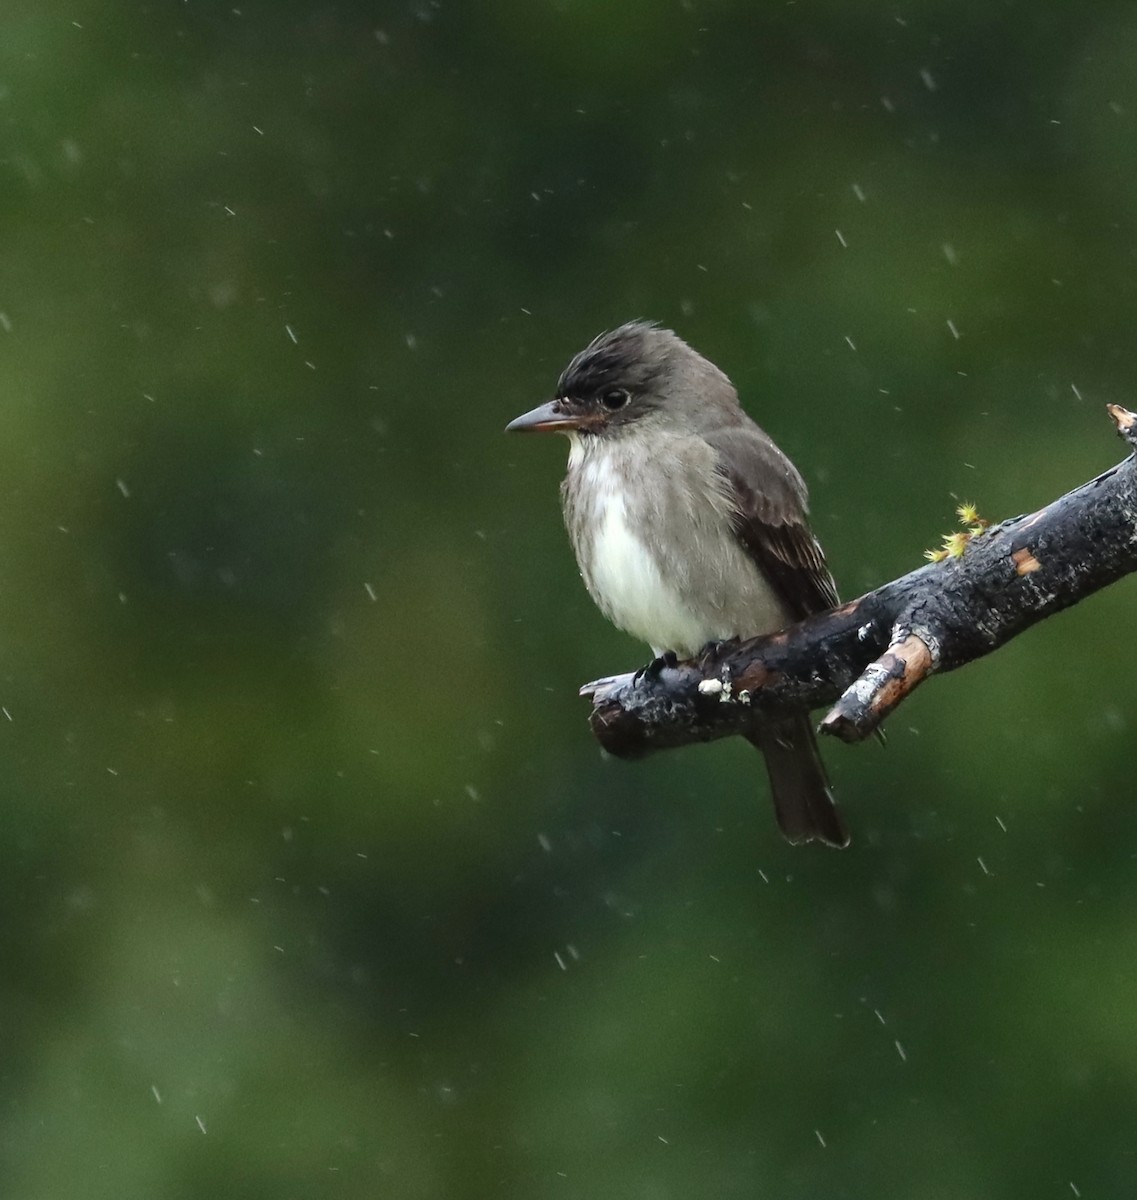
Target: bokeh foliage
312	881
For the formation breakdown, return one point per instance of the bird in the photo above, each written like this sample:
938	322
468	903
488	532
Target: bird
691	527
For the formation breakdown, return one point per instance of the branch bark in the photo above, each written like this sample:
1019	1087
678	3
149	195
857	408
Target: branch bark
870	654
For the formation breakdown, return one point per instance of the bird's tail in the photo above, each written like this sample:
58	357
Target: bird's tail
803	803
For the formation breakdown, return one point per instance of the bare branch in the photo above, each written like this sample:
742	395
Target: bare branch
868	655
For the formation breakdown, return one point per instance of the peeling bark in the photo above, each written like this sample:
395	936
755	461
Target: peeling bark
869	655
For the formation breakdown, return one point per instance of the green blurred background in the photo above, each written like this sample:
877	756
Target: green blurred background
312	880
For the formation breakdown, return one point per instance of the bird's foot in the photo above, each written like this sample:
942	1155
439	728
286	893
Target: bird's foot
653	669
714	652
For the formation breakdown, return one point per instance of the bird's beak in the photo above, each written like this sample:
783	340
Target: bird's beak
552	417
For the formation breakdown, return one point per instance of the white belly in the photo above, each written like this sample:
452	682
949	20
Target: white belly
629	587
698	585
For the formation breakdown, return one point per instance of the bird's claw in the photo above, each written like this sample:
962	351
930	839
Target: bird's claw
654	668
715	651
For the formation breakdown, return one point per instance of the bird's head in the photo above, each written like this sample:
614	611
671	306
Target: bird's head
635	373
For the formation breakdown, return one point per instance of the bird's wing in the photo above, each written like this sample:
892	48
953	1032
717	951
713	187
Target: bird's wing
770	517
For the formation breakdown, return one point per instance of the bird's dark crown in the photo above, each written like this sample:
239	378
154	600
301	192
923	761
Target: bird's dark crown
632	356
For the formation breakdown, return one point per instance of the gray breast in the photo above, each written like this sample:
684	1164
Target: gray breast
653	540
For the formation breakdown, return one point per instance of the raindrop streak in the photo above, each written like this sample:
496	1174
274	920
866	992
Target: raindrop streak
292	334
841	238
200	1124
821	1140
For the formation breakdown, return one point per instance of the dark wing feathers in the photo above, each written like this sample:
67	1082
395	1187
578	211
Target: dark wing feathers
771	518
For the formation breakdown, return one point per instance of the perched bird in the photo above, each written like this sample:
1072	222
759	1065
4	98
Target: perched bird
690	526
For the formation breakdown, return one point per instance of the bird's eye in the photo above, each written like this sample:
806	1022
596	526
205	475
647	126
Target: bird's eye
615	399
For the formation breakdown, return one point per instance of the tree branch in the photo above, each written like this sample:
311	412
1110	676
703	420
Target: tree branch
869	655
